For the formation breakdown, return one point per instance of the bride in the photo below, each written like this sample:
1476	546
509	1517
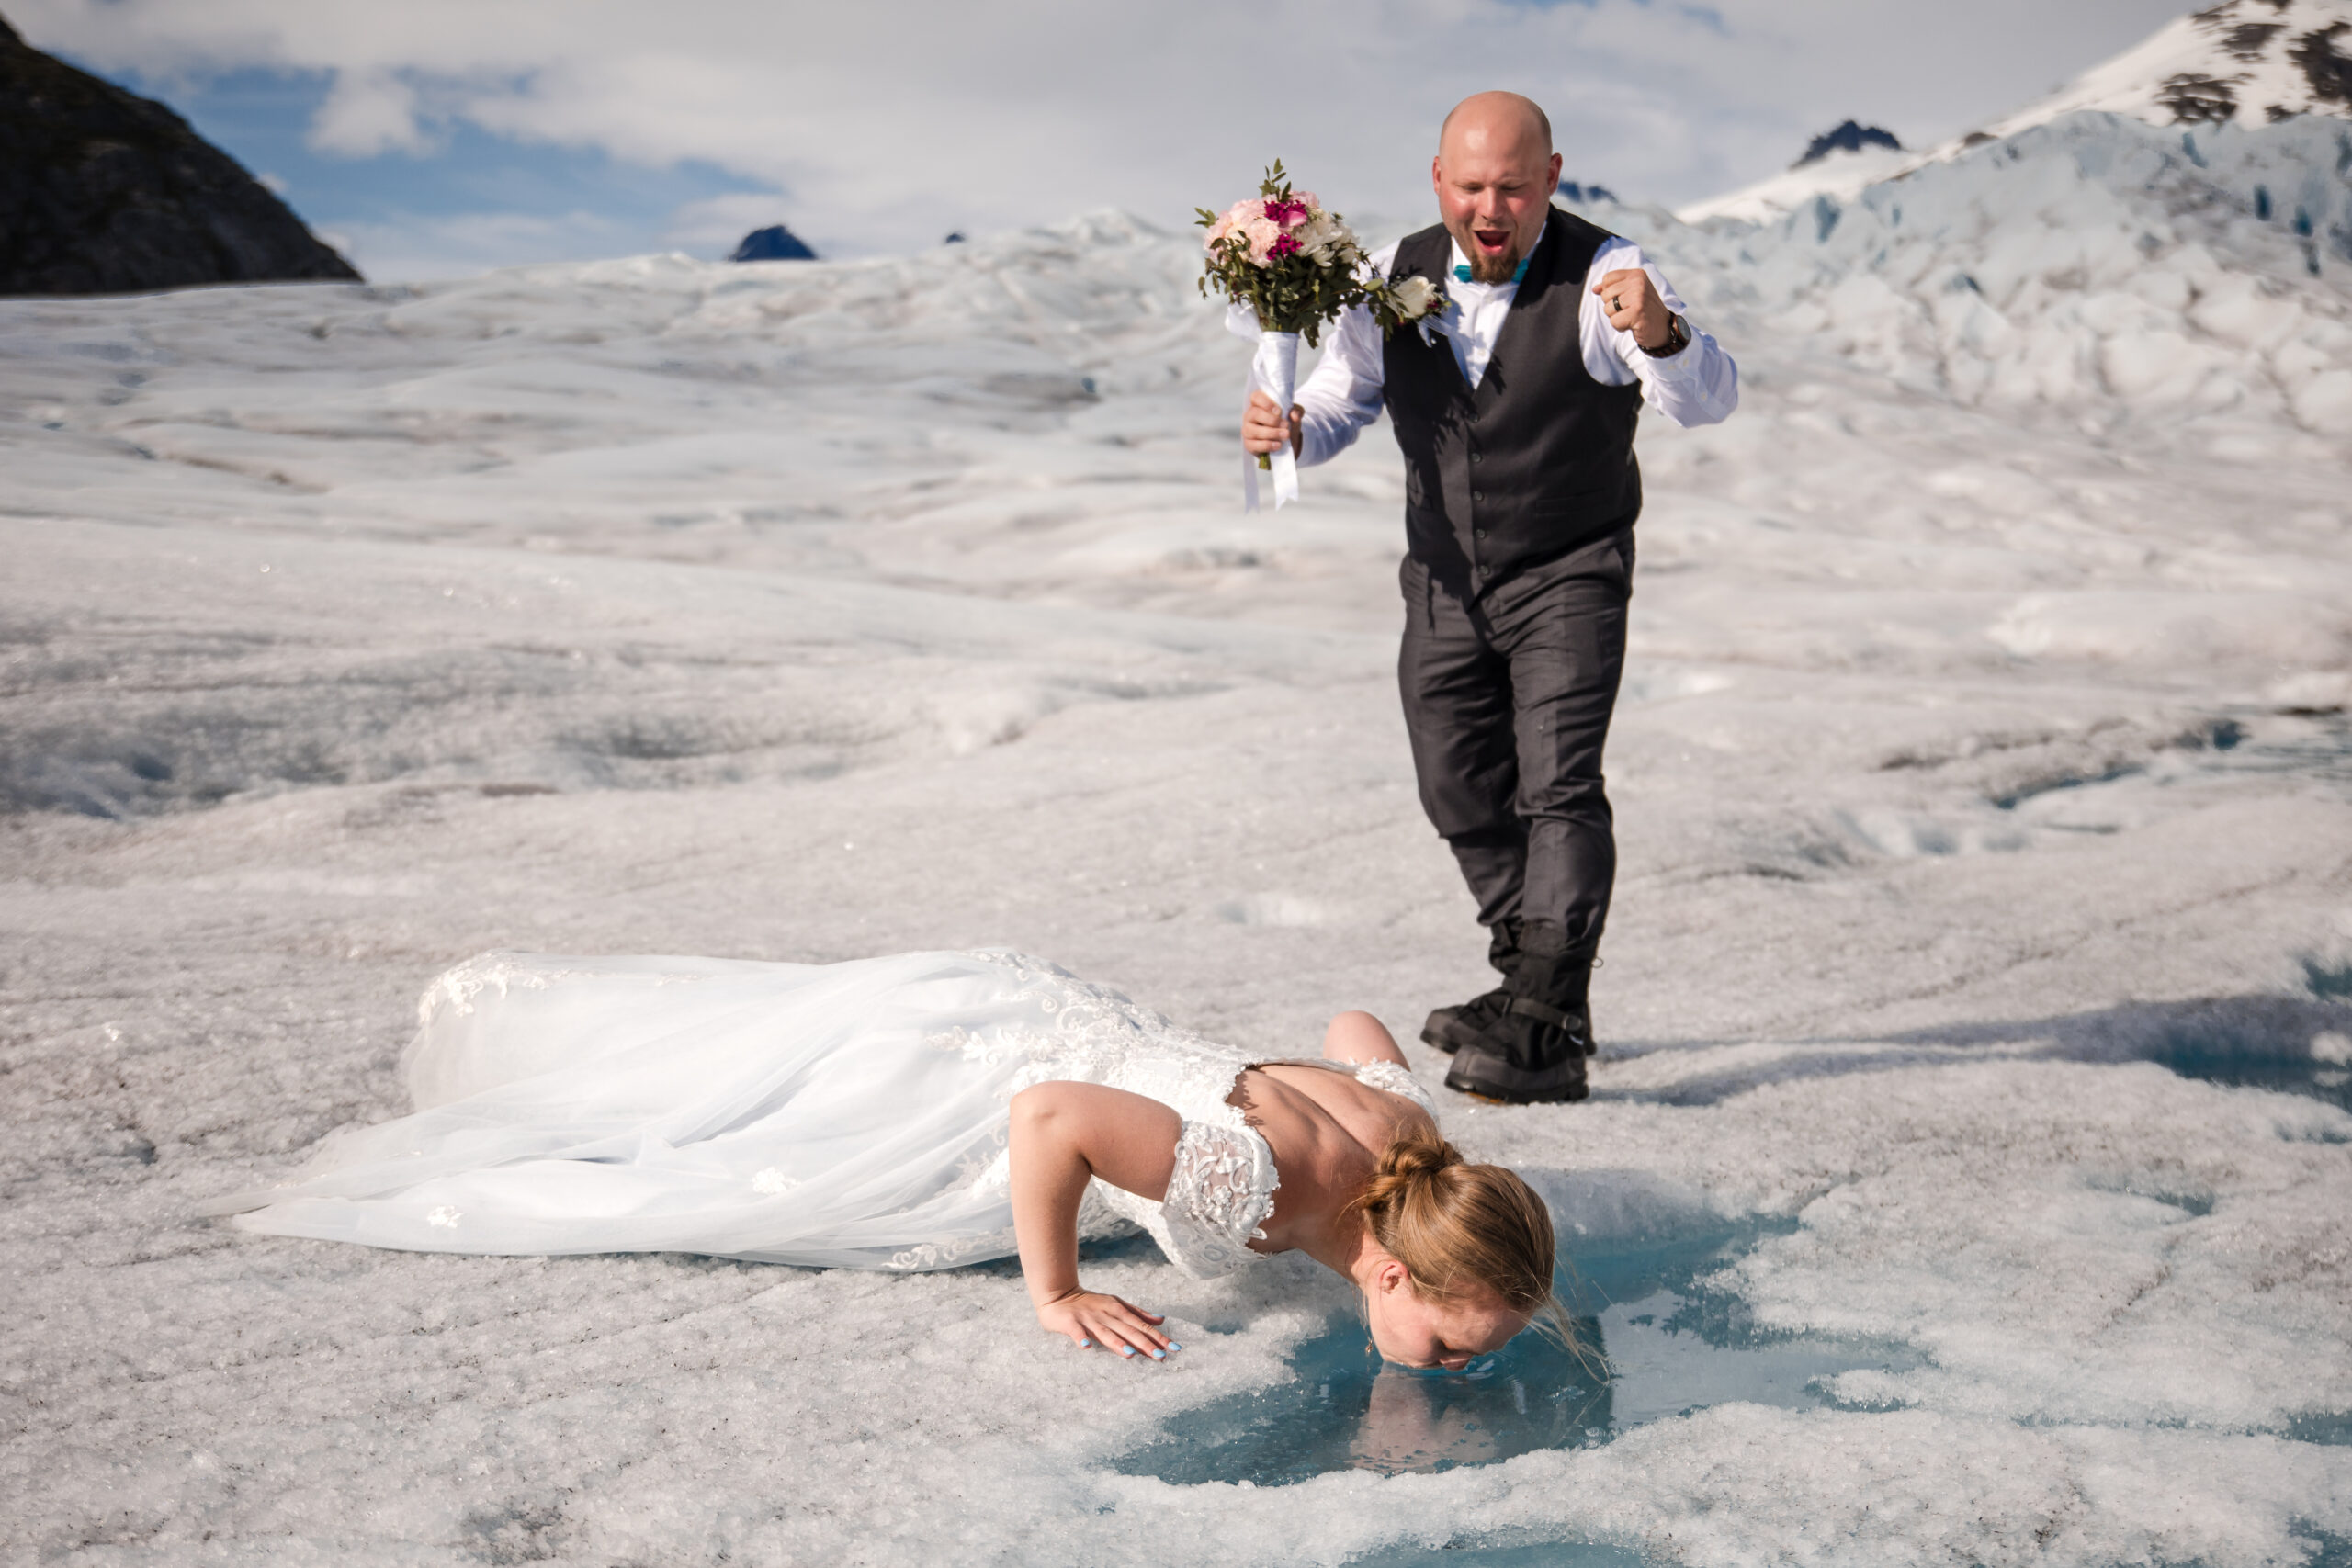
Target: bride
914	1112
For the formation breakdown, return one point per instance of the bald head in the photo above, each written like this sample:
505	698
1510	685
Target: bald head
1494	174
1499	122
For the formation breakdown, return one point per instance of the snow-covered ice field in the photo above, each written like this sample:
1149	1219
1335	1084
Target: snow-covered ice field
1984	749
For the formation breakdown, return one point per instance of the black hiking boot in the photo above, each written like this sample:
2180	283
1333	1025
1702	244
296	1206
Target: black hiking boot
1535	1052
1450	1029
1466	1023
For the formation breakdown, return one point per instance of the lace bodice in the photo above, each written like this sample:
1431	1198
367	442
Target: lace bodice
1395	1080
1222	1190
1220	1196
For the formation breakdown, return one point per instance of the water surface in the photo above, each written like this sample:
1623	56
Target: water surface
1659	1339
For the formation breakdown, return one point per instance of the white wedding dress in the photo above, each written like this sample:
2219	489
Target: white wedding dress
835	1115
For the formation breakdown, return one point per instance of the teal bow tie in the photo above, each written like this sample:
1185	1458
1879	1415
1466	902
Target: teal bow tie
1462	272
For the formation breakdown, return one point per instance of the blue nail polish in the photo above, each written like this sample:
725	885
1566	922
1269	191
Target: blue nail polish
1173	1346
1086	1344
1126	1349
1160	1355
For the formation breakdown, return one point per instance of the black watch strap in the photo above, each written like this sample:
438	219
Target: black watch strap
1678	338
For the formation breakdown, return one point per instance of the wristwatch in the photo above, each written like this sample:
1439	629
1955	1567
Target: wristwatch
1678	338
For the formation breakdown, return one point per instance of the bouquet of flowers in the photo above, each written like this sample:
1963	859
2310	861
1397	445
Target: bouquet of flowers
1296	268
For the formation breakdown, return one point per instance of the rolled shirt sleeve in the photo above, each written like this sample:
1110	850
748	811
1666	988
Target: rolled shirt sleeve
1342	395
1697	385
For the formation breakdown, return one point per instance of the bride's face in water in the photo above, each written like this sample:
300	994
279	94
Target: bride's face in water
1414	1331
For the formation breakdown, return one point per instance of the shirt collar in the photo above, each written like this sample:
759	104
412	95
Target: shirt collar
1458	268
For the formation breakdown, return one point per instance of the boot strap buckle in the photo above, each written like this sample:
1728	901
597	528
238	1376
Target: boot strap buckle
1529	1007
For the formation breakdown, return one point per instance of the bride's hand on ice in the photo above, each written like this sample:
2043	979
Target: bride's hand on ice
1092	1318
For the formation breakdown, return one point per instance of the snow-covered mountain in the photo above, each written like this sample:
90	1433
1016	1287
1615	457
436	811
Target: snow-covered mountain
2247	63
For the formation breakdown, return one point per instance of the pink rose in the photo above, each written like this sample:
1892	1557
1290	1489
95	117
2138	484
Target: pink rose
1262	233
1236	219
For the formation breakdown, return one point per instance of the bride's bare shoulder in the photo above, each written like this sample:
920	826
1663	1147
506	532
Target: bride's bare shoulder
1369	1114
1356	1039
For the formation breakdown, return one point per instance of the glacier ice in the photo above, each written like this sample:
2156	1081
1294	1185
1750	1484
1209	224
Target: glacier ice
855	607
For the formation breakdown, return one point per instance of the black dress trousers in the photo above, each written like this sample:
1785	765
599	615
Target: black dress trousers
1507	697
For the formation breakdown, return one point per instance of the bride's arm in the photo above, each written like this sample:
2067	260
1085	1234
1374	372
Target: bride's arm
1065	1135
1360	1037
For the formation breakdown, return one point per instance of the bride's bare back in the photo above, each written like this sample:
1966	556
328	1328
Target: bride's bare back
1326	1129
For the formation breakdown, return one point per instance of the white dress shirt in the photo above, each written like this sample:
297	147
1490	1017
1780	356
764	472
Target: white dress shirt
1698	386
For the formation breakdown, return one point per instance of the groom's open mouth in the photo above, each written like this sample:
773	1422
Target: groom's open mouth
1494	241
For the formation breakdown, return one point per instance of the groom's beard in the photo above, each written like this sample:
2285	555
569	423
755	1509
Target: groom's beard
1483	269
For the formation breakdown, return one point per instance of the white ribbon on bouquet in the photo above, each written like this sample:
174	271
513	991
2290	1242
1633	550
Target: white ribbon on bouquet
1274	371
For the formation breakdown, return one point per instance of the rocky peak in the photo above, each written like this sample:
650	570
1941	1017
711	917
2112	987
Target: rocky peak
105	192
777	242
1850	137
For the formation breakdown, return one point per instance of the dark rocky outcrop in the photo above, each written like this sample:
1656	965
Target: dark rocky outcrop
2329	72
2248	40
105	192
773	243
2197	98
1850	137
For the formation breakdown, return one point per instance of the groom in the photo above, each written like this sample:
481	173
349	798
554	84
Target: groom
1516	417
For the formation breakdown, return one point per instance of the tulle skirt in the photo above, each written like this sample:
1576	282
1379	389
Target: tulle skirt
849	1114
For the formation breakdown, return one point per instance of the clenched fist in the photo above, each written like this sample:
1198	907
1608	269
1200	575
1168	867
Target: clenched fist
1633	306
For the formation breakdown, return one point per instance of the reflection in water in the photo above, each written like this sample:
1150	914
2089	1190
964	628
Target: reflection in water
1670	1345
1347	1411
1427	1421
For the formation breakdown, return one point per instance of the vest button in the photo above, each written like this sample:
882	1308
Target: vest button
1477	495
1478	456
1481	533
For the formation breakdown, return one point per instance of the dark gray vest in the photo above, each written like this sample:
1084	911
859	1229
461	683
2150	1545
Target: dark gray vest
1540	458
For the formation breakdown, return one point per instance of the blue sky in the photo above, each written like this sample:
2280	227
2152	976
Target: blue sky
442	137
467	200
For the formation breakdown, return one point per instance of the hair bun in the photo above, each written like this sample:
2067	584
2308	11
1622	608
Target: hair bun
1407	1166
1416	1154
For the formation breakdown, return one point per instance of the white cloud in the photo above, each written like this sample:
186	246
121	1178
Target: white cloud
368	112
889	121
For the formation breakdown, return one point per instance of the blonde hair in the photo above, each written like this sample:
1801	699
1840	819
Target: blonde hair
1460	1229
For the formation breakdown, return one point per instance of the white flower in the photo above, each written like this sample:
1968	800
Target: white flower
1327	238
1415	297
